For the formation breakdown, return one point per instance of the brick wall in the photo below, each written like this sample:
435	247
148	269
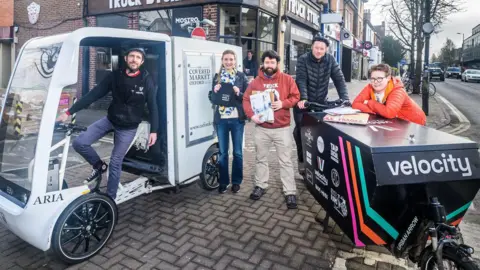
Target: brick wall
133	20
54	18
210	12
6	19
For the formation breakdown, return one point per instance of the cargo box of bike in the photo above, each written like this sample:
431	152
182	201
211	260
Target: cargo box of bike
391	182
40	179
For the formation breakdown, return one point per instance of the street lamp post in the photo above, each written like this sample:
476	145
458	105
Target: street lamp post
461	54
427	29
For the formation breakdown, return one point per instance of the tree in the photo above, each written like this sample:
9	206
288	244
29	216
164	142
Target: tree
393	51
407	18
434	58
447	53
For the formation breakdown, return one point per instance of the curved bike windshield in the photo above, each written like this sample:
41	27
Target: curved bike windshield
21	116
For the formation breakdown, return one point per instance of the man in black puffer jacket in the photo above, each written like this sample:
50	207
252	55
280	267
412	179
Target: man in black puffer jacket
314	70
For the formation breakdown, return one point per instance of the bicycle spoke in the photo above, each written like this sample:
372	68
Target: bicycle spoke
71	239
77	245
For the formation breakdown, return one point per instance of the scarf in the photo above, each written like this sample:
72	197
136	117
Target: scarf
388	90
228	76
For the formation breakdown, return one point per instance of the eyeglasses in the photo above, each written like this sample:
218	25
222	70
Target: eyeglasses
377	80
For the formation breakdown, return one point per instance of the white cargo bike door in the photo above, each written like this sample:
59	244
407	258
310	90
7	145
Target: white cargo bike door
195	62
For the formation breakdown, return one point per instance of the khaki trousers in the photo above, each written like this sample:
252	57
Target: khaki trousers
281	139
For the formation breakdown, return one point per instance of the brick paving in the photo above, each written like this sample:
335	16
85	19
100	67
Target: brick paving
198	229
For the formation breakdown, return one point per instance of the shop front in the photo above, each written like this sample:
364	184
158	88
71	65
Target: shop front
332	32
302	26
347	55
254	28
357	59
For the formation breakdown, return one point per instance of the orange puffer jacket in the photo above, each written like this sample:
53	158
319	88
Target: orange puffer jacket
396	103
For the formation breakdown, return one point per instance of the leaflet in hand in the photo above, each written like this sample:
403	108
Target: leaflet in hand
262	105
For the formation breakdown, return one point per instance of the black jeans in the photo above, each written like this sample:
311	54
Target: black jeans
297	135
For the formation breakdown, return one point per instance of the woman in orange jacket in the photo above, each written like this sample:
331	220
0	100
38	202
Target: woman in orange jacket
386	97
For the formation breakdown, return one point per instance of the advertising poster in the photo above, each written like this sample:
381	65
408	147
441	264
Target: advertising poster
199	109
185	20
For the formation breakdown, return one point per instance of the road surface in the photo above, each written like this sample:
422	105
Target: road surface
465	96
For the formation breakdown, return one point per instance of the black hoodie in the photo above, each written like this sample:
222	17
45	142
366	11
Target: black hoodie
129	95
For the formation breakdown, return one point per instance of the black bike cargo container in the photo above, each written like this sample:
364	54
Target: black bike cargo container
372	179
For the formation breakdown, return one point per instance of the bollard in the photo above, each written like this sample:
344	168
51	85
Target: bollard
18	120
74	116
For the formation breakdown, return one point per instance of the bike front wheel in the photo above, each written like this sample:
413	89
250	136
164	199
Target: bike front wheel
432	89
452	258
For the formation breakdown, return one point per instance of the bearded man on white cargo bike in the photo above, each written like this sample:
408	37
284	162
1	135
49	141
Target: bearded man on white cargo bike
130	88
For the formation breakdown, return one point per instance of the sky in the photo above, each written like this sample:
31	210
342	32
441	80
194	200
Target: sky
461	22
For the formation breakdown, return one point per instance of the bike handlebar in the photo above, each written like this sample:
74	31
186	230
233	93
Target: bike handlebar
70	127
327	104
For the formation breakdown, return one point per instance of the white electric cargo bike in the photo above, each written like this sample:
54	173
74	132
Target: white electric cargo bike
43	199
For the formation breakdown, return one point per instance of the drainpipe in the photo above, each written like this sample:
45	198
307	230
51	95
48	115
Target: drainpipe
85	66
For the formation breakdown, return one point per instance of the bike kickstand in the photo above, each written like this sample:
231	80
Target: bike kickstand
324	221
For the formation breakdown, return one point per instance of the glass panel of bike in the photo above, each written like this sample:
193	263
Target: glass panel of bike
21	115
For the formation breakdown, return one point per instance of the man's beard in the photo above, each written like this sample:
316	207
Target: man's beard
270	71
132	70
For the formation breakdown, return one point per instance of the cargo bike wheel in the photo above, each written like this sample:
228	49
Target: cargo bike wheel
453	257
210	172
84	228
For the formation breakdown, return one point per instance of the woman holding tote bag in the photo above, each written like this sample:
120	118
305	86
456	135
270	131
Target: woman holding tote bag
229	84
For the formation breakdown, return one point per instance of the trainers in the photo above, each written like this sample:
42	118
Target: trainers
235	188
257	193
291	201
96	172
222	189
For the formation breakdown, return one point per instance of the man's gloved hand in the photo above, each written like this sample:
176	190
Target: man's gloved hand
346	103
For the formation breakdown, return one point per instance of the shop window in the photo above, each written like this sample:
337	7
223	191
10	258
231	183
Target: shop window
231	41
113	21
249	22
229	21
248	44
159	21
267	27
264	46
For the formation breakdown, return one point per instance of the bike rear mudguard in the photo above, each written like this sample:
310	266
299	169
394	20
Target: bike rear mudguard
368	177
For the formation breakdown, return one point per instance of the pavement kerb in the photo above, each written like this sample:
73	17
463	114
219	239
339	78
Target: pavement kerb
443	107
464	123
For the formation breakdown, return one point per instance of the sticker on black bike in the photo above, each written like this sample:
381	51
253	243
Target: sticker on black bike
335	177
334	152
320	163
321	191
309	137
309	157
321	178
338	203
320	144
309	175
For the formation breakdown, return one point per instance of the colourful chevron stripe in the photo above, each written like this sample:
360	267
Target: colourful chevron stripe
458	211
350	201
363	227
370	212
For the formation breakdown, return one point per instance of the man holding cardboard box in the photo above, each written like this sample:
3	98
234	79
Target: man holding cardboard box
284	95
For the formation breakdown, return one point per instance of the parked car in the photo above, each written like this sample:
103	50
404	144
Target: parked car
454	72
436	72
471	75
